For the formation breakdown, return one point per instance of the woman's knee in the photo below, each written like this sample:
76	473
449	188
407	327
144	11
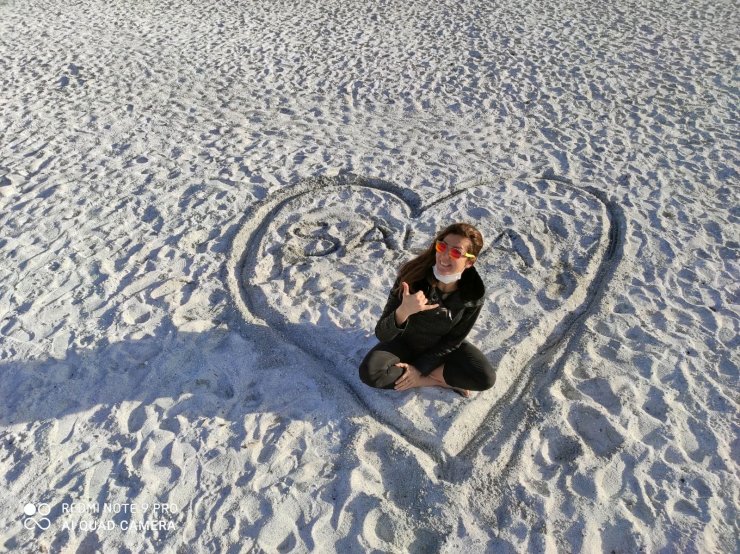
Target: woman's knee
483	374
374	369
488	377
366	375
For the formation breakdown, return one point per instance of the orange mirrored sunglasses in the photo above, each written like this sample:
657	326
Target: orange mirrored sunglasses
455	252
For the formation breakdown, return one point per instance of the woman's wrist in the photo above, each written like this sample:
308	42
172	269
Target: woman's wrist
401	316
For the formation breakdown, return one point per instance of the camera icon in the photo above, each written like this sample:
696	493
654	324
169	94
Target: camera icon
42	510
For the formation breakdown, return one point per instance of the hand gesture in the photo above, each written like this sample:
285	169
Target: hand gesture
413	303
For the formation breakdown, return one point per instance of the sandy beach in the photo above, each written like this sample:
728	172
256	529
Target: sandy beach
203	206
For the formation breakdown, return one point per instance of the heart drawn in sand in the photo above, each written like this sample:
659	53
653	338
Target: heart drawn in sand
316	263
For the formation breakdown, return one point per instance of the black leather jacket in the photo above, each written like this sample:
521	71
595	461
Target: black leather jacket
433	334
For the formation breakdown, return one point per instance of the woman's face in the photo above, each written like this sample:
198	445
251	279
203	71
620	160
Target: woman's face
446	264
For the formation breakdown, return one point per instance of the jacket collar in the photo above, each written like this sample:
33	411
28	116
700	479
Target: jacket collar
471	287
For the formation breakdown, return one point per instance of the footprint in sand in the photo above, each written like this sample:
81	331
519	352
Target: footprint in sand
595	430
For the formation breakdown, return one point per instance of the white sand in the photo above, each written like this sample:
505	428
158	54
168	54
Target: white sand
202	206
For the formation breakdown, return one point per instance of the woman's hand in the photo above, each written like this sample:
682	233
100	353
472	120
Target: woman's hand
411	304
410	379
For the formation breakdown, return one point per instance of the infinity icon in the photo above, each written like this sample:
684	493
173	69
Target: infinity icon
42	510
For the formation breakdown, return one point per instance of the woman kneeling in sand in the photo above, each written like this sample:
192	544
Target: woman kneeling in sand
423	327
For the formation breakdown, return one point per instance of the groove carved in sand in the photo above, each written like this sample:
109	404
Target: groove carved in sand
315	260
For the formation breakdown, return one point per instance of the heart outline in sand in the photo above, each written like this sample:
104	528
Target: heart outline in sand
249	248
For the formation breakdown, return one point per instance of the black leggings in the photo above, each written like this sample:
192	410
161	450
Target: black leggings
464	368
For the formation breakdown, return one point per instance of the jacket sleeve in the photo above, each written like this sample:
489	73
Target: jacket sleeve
386	328
432	358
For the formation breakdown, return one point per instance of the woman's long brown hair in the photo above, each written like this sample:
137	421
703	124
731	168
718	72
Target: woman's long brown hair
416	269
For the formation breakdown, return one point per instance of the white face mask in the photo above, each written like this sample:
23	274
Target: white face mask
446	279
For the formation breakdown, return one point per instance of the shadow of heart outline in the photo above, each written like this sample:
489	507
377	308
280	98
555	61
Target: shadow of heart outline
249	237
